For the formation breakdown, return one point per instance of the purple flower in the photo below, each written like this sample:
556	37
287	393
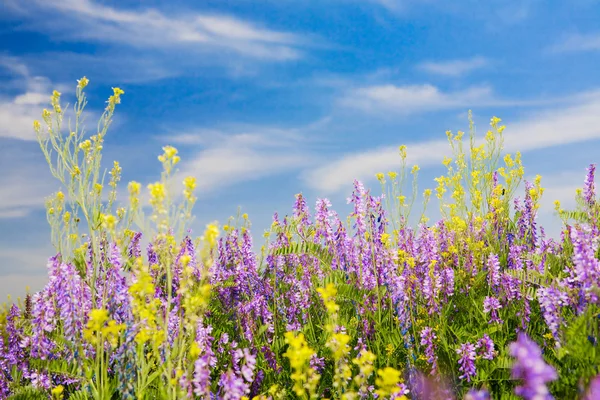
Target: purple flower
486	345
233	386
530	367
593	391
249	366
317	363
492	305
427	339
551	300
467	361
493	265
589	189
475	394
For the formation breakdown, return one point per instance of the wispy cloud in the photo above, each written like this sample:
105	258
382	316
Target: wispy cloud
17	112
239	154
153	29
26	180
418	98
574	123
577	43
410	99
454	67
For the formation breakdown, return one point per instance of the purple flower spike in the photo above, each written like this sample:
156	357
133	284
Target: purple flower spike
593	391
427	338
531	369
467	361
589	189
475	394
492	305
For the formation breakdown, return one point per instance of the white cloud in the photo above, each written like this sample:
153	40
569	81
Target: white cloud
578	43
151	28
410	99
240	154
17	113
577	122
454	67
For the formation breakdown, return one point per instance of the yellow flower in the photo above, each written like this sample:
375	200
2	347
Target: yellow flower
380	177
387	381
83	82
57	392
415	169
299	353
109	221
328	293
189	184
402	150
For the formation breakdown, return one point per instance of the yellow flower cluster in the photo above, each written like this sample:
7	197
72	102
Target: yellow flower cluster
145	307
328	294
299	353
189	185
114	99
387	382
98	330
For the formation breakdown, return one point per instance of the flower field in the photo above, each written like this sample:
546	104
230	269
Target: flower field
478	305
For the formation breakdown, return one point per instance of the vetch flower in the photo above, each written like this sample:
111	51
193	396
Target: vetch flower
492	305
467	361
530	368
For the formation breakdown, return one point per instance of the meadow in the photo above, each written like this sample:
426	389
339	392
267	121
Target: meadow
478	305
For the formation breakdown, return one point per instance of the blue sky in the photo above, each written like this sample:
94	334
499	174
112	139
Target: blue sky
269	98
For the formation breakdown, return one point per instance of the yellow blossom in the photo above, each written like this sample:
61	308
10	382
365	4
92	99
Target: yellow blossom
83	82
387	381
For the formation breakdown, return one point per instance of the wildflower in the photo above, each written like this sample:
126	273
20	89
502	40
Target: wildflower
467	361
57	392
492	304
487	347
387	382
593	391
474	394
364	361
304	377
589	190
402	150
189	185
551	300
530	367
83	82
328	293
233	386
427	339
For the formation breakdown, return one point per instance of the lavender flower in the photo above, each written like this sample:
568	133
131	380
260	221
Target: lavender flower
233	386
589	189
551	300
493	265
593	391
427	339
486	345
467	361
530	367
475	394
492	304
